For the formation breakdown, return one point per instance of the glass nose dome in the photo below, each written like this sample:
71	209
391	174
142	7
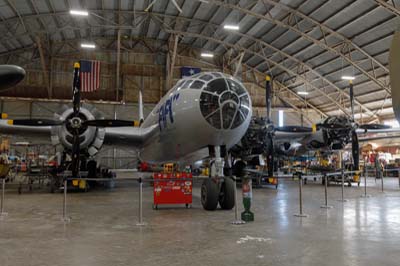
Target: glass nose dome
224	103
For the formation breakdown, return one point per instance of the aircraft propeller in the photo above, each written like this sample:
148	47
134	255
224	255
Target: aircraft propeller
75	122
353	127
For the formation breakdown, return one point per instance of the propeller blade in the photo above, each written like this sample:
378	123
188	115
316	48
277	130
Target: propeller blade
351	100
355	149
394	70
76	103
35	122
76	90
270	154
331	126
111	123
10	76
75	153
268	97
374	126
294	129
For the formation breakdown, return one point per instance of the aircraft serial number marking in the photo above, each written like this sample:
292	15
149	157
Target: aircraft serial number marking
165	111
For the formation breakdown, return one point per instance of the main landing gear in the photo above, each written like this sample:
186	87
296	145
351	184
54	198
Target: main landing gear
217	188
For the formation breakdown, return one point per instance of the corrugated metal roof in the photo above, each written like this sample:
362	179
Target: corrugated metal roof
324	38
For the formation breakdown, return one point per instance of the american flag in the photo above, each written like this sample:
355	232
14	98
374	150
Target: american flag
90	75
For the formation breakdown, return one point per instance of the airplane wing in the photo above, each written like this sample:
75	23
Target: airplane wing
377	131
291	135
129	135
382	137
115	135
24	131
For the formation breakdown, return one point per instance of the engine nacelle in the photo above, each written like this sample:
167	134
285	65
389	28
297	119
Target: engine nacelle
91	138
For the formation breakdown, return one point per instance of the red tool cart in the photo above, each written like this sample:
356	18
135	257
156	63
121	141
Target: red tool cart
172	188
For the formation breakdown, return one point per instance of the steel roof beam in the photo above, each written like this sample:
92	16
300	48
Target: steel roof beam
388	6
322	43
263	45
282	88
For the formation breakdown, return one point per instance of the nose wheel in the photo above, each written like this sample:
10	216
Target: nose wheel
218	189
209	194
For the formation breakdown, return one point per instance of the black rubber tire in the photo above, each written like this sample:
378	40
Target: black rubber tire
227	194
209	194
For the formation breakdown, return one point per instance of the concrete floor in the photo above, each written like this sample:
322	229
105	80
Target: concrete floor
362	231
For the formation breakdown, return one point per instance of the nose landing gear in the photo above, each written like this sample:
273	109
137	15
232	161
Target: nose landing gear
217	188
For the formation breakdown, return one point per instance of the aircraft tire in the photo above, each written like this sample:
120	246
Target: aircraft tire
227	194
209	194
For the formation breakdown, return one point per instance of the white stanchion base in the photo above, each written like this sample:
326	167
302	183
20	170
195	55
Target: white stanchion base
301	215
326	206
238	222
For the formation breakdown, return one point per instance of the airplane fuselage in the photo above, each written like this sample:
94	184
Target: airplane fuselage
194	114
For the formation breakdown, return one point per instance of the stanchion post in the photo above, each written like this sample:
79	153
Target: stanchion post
65	218
342	173
382	181
237	221
398	173
3	188
326	206
301	214
140	223
365	182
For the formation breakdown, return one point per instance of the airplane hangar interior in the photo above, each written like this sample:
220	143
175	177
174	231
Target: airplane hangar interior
199	132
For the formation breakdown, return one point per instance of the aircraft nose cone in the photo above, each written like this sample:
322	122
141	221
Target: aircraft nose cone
225	103
10	75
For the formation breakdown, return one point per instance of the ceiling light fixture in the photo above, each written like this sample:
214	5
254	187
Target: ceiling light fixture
302	93
79	13
209	55
88	45
231	27
348	78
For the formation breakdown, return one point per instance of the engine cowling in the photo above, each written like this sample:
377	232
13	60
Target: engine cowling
91	138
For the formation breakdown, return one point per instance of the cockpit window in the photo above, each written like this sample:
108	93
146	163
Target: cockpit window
233	85
228	113
224	103
218	75
197	84
186	84
209	104
178	85
206	77
217	86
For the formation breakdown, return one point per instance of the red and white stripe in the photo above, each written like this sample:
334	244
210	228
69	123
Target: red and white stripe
90	81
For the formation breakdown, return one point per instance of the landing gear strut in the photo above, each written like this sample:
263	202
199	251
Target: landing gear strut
217	188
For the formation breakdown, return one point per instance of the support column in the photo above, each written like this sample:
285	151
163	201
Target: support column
171	61
117	74
44	69
238	64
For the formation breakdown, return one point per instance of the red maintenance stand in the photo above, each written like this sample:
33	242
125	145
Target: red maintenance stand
172	188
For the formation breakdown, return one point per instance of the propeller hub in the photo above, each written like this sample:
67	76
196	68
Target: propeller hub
269	127
76	122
